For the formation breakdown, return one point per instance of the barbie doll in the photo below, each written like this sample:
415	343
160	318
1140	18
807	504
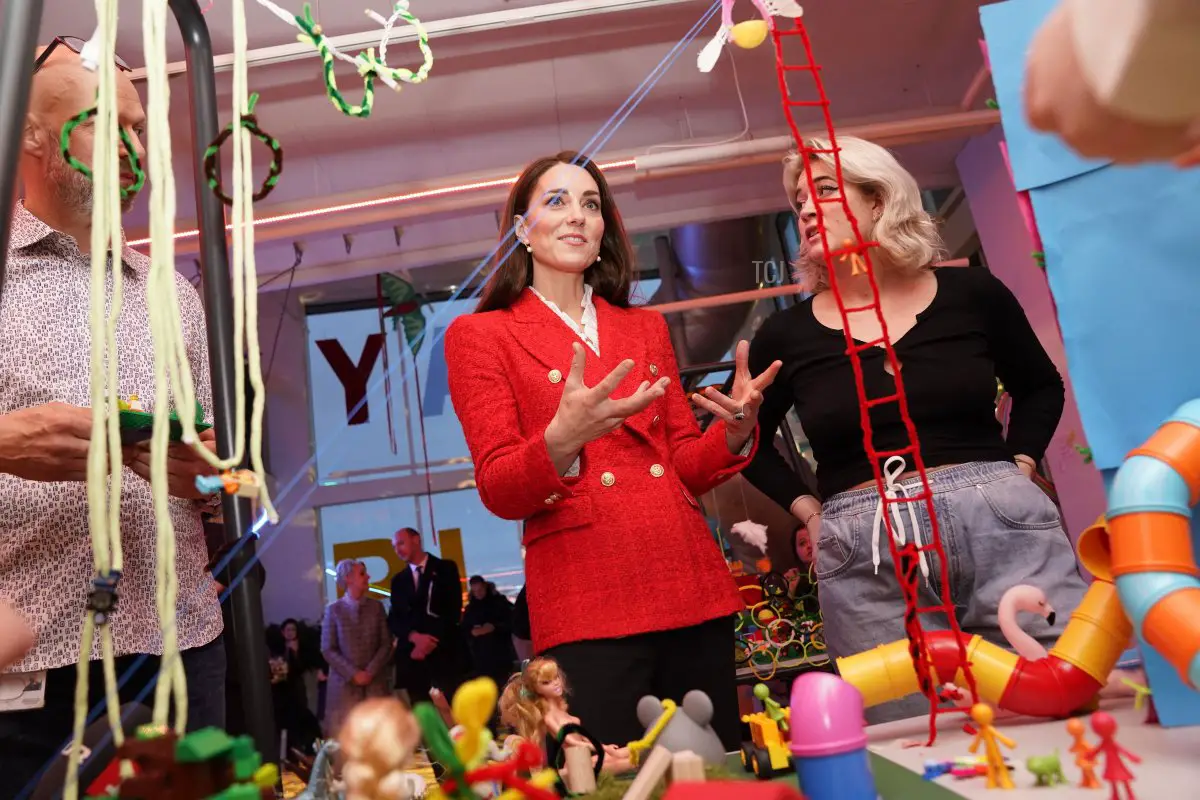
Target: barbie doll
535	704
376	741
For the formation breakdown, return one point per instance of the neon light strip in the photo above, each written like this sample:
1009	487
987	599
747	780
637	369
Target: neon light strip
383	201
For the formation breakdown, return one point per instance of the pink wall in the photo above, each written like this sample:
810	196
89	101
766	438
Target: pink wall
1008	244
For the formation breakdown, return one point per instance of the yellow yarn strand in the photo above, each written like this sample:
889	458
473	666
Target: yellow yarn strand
245	298
243	198
165	333
245	294
104	453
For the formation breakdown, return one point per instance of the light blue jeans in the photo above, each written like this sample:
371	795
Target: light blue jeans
997	529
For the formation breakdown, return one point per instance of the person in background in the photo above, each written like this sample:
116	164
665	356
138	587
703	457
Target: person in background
291	661
802	584
487	624
219	567
522	636
355	643
1119	79
577	422
955	331
46	566
427	600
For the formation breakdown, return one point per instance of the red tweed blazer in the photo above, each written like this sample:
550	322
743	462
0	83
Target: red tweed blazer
623	548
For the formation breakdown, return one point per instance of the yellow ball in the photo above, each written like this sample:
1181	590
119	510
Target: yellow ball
750	34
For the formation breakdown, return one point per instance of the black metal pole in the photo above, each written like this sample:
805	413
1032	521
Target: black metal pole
245	635
18	48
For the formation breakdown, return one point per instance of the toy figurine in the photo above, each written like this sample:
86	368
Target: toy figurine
772	707
320	778
241	482
377	740
534	702
997	770
1047	769
1115	771
747	35
1081	749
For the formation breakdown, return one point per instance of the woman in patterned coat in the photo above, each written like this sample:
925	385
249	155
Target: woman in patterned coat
356	643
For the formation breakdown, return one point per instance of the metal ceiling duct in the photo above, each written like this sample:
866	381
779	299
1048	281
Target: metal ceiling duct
708	259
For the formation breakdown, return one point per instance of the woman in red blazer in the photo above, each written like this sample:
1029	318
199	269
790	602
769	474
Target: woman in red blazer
575	416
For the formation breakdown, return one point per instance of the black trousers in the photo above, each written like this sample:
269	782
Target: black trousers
439	670
607	678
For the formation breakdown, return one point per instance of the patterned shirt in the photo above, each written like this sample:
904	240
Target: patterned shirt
46	564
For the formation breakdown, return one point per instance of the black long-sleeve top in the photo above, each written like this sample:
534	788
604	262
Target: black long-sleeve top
973	332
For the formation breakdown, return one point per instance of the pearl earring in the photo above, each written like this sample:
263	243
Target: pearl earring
597	258
529	247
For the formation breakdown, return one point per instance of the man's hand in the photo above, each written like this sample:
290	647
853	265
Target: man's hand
183	465
16	637
423	644
362	678
483	630
46	443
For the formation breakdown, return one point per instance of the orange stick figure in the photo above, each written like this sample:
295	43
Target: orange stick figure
1081	748
997	770
857	267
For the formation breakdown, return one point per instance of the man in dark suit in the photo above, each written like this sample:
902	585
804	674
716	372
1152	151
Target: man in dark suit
424	618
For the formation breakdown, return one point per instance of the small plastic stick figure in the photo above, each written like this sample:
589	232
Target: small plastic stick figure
1081	748
997	770
1115	771
772	707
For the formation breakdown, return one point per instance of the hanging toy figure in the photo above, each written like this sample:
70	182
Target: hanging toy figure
749	34
997	770
1080	747
1115	771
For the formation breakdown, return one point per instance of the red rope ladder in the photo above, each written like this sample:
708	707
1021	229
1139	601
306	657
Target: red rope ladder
905	559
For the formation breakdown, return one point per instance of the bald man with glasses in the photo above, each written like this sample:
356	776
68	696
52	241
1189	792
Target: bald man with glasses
46	560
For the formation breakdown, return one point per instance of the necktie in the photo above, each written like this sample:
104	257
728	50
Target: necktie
417	578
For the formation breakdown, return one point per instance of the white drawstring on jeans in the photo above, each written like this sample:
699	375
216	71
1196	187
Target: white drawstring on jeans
891	491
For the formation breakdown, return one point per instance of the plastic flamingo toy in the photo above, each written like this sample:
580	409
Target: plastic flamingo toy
1081	748
1029	599
1115	771
749	34
991	739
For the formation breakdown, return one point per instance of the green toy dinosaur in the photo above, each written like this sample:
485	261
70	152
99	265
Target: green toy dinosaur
1047	769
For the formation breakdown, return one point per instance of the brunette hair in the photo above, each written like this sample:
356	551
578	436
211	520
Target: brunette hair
610	277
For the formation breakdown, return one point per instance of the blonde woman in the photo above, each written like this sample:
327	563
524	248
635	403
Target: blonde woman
955	331
356	644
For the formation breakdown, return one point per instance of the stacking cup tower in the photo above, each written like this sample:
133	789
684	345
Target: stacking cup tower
828	740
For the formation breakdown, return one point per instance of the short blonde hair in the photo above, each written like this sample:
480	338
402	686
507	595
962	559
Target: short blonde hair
343	570
905	231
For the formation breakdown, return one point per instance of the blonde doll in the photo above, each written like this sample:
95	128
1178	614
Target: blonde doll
534	702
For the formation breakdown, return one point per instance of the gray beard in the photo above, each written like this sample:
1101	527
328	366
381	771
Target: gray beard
74	190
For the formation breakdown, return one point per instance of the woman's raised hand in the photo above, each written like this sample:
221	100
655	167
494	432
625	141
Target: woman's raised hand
740	411
587	413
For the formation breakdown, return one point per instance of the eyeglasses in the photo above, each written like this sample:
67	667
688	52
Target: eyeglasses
75	45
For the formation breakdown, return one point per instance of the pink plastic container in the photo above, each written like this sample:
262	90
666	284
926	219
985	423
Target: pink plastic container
827	716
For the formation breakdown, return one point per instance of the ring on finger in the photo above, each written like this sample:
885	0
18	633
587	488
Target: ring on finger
740	414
